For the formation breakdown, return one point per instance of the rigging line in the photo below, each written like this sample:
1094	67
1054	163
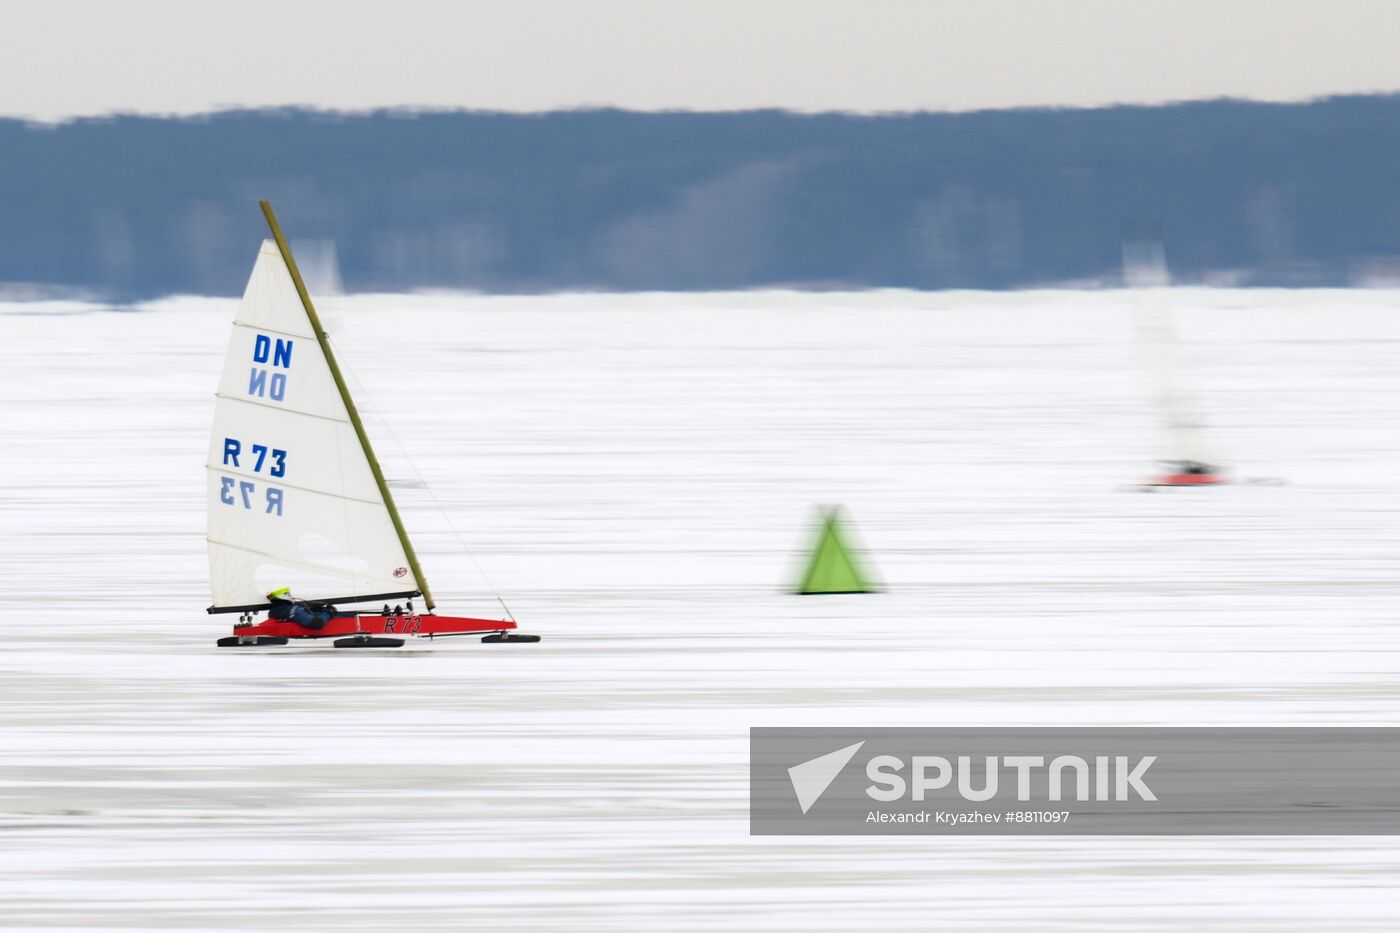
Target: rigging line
366	399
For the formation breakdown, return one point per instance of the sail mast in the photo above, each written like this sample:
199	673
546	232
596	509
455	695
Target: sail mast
349	403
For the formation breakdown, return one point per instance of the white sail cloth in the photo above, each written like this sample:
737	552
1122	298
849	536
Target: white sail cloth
1145	269
292	500
1185	429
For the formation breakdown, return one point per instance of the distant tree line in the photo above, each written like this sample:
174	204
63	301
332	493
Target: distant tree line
1249	193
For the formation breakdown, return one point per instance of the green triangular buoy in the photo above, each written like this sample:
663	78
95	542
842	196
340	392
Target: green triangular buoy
833	566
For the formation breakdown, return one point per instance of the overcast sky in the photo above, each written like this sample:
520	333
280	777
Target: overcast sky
64	58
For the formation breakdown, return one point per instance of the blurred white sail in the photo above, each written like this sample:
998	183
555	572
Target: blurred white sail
1145	267
1185	429
319	264
291	497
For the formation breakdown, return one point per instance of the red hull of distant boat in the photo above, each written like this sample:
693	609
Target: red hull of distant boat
1188	479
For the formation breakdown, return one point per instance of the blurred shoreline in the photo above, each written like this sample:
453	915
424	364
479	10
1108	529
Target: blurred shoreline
1241	194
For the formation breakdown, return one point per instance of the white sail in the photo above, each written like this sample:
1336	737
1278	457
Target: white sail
1145	268
1185	430
292	499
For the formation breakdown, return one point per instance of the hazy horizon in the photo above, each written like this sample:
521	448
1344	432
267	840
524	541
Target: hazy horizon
167	58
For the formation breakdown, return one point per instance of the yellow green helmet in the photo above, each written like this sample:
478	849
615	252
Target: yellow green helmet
280	591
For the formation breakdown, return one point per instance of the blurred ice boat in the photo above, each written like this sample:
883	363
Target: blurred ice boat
1189	463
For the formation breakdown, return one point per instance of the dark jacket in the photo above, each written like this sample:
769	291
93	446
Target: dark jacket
299	611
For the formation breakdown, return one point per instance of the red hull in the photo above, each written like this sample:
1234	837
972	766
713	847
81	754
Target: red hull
1188	479
407	624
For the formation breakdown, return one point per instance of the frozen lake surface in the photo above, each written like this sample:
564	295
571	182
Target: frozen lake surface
635	474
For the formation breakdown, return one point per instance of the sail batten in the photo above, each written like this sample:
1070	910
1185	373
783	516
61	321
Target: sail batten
268	330
270	555
294	497
257	404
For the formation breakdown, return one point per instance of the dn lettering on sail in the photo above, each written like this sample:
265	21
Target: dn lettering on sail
271	359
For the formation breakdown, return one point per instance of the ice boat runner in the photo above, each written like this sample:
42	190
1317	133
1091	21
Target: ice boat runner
296	497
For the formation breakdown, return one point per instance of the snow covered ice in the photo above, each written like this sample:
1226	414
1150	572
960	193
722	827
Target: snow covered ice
635	475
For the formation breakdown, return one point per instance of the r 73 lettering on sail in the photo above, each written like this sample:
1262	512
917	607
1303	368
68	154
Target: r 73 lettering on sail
240	491
259	456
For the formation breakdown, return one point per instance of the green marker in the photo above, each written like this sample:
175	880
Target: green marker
833	567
